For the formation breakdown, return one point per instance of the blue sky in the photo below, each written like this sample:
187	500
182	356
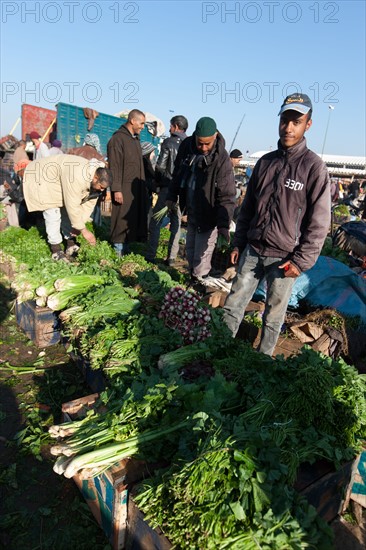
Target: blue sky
227	60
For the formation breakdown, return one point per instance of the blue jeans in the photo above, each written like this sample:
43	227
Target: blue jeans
155	226
251	269
121	249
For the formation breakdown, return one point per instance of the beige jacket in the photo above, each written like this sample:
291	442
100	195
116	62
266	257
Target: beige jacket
62	180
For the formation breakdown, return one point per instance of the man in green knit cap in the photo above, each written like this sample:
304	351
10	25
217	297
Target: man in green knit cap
203	179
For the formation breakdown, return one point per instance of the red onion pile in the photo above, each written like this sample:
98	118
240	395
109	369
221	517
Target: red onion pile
183	311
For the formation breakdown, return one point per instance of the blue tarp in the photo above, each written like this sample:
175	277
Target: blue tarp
329	283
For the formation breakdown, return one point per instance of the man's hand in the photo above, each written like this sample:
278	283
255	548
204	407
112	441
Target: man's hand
234	256
88	235
118	197
290	270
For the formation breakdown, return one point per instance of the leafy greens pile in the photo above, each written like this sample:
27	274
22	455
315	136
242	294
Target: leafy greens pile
229	426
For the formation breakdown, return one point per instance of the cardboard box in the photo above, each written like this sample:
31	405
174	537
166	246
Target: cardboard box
107	494
356	490
40	324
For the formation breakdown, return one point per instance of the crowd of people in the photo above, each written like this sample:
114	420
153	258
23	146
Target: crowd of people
280	223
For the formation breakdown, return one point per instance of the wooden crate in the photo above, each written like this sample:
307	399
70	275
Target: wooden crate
216	298
324	487
94	378
140	536
40	324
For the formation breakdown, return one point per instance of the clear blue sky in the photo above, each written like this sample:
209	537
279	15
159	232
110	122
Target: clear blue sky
218	59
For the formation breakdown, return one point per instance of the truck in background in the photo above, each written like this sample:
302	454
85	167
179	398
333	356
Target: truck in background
69	123
40	120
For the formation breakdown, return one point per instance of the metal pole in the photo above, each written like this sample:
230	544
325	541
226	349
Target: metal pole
331	108
237	131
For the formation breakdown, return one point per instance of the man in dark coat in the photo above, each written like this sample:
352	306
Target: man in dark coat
129	193
203	179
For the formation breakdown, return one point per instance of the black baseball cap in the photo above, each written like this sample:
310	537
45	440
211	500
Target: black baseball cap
296	102
236	154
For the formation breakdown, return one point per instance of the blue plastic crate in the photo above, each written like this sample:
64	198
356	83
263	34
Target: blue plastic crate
72	127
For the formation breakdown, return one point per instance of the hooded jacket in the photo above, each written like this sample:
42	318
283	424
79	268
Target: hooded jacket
287	206
214	193
129	219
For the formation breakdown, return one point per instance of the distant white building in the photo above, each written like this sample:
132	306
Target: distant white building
341	166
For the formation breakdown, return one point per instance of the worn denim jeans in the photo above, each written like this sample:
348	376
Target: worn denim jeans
57	225
155	226
252	269
199	249
121	249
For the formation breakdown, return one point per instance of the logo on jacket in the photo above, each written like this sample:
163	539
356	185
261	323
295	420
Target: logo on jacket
295	185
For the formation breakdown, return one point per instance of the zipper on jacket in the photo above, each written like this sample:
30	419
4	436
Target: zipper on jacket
266	224
299	210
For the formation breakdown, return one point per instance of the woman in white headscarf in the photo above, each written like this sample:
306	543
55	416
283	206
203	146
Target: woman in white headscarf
90	149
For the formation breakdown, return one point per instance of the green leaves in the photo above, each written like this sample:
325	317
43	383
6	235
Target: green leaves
238	510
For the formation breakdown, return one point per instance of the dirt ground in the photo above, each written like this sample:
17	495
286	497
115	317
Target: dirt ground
40	510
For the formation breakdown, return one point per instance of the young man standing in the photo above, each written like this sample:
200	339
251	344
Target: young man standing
236	156
282	224
163	175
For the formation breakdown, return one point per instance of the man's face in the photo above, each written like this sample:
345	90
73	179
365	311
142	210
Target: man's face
96	185
292	127
205	144
235	162
173	128
137	124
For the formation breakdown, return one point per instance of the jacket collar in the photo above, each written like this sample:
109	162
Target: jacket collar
292	152
126	131
181	135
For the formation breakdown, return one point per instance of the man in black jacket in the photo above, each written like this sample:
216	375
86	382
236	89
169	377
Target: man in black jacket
163	174
203	179
282	224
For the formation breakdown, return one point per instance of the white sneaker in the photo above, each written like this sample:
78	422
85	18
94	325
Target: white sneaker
60	256
72	250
